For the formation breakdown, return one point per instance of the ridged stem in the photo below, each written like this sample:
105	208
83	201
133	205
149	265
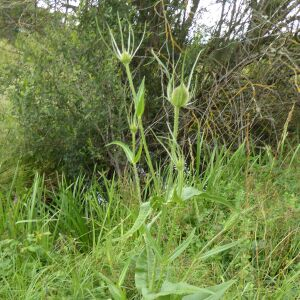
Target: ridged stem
142	132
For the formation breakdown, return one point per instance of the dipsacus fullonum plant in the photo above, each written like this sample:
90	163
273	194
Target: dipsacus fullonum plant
151	276
125	54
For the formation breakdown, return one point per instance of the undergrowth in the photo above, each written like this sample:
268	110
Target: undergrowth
72	241
222	224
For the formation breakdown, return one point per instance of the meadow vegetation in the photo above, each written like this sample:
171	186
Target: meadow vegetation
141	160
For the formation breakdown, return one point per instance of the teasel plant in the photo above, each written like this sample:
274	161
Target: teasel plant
179	93
125	52
152	265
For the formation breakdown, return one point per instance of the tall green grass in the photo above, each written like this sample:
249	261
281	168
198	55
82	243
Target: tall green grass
242	232
224	226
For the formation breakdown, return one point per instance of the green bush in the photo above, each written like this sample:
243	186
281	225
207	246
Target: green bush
11	140
68	99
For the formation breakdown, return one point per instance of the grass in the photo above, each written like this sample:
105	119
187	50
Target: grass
61	244
224	227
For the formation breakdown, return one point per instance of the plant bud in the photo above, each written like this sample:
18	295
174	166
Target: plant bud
180	164
125	58
180	96
133	127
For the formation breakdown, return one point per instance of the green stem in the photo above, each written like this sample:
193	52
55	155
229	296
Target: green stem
176	123
137	182
141	128
154	274
128	73
148	157
136	175
180	182
174	142
162	222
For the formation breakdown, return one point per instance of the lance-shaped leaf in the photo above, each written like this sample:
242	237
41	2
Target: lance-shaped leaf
181	288
181	247
190	192
140	100
129	154
116	292
217	290
189	292
217	199
145	210
218	250
138	154
141	272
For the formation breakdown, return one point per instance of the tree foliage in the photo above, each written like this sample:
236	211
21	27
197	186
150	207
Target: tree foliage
70	95
70	102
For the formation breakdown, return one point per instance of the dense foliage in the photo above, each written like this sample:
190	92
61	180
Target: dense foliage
70	95
69	100
147	155
73	242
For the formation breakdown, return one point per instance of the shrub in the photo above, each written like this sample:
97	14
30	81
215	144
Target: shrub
69	101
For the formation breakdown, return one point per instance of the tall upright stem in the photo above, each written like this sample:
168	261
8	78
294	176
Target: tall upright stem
136	175
174	142
141	128
176	122
128	73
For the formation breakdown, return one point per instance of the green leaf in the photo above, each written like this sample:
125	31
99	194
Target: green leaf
217	291
178	289
124	272
145	272
189	192
141	272
152	243
156	202
173	196
181	288
145	210
6	242
140	100
152	269
127	151
181	247
116	292
5	264
218	249
138	155
217	198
